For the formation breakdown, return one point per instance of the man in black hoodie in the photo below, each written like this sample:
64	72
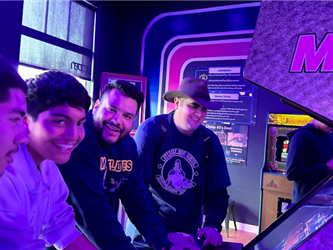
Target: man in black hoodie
310	157
104	169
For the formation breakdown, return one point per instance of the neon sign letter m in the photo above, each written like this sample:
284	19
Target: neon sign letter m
310	58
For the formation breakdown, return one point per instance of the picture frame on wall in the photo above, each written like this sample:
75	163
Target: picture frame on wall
139	81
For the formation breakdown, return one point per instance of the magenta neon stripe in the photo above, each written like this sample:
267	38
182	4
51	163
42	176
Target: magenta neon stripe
245	5
205	49
226	33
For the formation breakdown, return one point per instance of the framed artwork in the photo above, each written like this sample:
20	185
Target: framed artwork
139	81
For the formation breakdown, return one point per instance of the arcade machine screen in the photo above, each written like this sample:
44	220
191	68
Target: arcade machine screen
277	142
301	222
276	189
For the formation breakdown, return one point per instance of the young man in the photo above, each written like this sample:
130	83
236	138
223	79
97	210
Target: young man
310	157
105	168
13	109
184	165
33	208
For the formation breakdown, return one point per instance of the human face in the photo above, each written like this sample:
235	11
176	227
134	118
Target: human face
55	133
113	116
13	129
188	115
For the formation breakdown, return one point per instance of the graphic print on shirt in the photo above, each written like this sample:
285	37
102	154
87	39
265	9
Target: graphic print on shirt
177	171
110	182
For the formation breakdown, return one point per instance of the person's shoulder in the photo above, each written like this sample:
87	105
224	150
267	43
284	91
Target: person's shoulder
89	131
210	139
303	135
88	125
151	122
14	193
150	127
89	140
206	132
307	131
24	165
51	173
49	168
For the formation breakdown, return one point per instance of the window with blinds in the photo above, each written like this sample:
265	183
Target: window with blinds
58	35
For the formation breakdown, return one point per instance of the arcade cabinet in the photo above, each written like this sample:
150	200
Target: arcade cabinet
291	56
308	224
275	188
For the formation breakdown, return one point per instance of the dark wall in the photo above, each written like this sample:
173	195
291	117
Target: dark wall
136	19
10	29
120	28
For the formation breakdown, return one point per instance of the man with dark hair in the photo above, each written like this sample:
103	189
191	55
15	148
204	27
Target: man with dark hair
13	108
105	168
184	166
33	208
310	157
55	88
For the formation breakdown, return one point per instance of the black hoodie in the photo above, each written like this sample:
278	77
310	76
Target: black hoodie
309	151
97	177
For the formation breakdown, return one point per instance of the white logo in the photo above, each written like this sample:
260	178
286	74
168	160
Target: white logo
177	181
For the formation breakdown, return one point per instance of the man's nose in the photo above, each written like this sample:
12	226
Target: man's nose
71	131
22	136
116	118
200	112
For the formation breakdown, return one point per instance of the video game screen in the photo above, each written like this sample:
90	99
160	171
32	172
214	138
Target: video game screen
279	125
277	147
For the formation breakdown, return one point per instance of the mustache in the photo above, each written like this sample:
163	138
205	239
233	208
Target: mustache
13	151
110	123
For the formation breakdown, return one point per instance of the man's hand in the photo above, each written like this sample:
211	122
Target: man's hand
182	241
213	237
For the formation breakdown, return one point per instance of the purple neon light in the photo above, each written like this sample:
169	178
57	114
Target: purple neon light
185	13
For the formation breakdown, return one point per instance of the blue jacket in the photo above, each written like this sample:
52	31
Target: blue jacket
308	152
97	177
179	181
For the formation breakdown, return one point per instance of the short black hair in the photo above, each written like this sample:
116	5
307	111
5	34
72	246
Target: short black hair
53	88
127	89
9	79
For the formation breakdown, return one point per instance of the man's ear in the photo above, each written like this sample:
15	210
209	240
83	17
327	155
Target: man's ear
96	105
176	102
29	122
26	121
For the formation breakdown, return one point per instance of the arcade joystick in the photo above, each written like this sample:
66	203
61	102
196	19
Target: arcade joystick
201	241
